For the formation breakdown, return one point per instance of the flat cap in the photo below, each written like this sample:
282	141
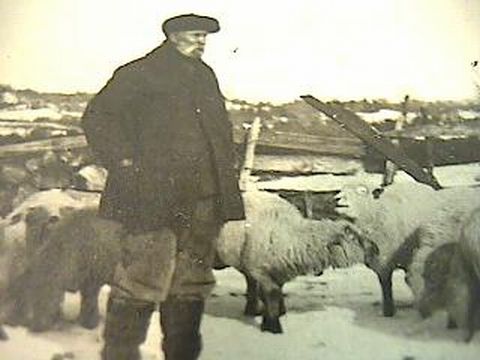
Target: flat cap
188	22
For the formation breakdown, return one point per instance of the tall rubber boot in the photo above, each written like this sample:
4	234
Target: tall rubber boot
126	328
180	321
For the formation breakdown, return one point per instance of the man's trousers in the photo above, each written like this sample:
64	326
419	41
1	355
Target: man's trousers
172	269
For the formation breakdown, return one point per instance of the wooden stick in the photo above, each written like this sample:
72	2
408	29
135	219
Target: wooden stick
390	167
373	137
58	143
251	141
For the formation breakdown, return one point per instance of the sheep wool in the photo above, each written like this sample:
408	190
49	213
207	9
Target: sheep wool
407	222
275	244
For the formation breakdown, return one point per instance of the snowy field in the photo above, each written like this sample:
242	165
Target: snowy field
334	316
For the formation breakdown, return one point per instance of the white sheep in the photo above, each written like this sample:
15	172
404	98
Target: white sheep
275	244
407	221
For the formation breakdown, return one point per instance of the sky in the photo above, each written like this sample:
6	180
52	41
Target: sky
266	51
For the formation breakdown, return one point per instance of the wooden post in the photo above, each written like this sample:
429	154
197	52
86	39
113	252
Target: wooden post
390	167
429	143
251	141
308	201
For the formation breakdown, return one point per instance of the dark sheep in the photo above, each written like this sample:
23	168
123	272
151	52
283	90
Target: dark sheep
452	279
32	266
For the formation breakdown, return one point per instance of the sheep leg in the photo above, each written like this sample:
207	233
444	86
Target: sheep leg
89	315
283	308
46	296
473	311
16	311
385	278
3	334
451	323
252	307
46	312
271	313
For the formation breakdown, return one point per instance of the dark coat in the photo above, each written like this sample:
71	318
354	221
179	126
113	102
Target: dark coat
165	112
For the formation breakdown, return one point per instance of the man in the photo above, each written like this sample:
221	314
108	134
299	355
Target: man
161	129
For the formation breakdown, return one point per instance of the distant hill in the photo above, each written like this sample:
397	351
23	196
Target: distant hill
294	117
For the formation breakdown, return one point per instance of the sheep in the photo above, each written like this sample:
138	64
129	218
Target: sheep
80	254
276	243
407	221
452	279
21	237
75	249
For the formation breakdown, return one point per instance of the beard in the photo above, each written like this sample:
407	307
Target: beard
195	51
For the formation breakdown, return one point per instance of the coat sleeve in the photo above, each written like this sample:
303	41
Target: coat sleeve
110	119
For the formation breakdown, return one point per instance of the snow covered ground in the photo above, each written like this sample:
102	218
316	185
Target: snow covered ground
334	316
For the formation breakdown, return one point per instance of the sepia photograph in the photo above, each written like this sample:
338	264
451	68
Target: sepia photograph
219	179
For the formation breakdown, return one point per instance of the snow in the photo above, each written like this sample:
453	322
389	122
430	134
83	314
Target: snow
384	114
51	112
452	175
469	114
334	316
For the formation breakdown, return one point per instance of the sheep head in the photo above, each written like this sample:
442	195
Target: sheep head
356	200
359	199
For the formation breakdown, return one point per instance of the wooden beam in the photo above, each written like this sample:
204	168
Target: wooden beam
58	143
251	142
350	121
339	146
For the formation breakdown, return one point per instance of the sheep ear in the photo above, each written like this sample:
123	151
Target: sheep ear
15	219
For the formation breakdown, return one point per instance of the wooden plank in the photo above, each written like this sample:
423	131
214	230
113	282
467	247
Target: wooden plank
302	142
390	167
373	137
306	164
58	143
251	142
344	146
33	125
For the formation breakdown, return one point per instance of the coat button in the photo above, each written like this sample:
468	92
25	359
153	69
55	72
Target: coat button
198	111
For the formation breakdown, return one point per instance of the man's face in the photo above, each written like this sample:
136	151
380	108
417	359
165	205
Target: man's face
190	43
